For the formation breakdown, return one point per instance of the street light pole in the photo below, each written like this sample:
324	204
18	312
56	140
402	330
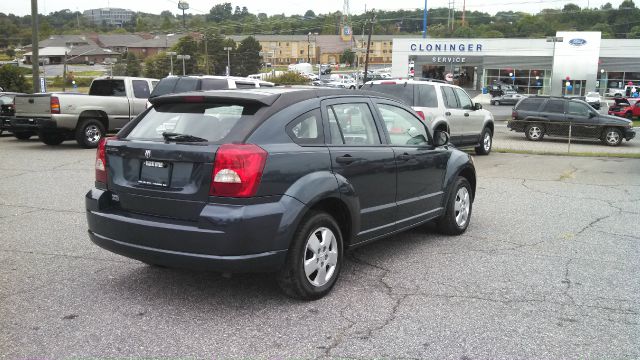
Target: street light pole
171	54
35	65
228	50
183	57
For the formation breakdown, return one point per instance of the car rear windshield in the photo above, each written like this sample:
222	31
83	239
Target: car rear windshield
177	85
403	92
215	122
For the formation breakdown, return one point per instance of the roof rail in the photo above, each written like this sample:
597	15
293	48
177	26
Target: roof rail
430	79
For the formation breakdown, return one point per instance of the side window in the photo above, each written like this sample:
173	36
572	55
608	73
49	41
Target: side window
465	101
578	109
427	96
107	88
352	124
529	104
449	97
307	128
404	128
140	89
554	106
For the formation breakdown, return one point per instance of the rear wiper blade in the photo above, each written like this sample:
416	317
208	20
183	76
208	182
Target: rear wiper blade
182	137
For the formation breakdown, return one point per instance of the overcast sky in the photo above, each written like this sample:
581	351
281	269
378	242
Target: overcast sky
289	7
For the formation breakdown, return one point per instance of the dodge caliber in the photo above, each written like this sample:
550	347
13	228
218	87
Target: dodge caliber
280	180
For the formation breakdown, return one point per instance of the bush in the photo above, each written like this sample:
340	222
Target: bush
80	81
12	79
290	78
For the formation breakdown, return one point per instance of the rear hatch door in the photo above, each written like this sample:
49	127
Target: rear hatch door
170	176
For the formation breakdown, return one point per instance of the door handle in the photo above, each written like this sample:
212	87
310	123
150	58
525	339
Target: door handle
405	157
347	159
448	113
466	114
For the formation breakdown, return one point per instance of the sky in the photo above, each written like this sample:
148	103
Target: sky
291	7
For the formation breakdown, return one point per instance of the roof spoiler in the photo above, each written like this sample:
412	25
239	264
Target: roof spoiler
217	96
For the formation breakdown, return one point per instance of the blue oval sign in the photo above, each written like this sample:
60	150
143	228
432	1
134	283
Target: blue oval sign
577	42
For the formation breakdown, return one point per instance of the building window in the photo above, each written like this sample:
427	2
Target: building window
301	52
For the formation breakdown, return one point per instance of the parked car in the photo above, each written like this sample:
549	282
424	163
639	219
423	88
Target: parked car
511	98
180	84
278	180
443	107
498	89
593	99
7	110
55	117
538	116
622	107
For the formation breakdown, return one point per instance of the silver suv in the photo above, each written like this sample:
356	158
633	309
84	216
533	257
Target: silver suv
443	107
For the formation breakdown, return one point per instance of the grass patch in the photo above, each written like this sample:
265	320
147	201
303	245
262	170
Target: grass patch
81	89
93	73
636	123
581	154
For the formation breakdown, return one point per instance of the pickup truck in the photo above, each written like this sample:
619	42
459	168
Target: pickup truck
56	117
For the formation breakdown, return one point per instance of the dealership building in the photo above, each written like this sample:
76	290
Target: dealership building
571	62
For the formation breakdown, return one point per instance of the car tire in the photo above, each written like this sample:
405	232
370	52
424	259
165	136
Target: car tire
457	214
89	132
52	138
486	142
497	103
301	276
534	132
23	135
612	136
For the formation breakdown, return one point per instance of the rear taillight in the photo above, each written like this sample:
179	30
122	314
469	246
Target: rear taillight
421	114
237	170
388	83
55	105
514	115
101	161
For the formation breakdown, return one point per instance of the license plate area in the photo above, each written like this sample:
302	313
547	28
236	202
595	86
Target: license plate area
155	173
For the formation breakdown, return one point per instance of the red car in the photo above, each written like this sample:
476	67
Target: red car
623	108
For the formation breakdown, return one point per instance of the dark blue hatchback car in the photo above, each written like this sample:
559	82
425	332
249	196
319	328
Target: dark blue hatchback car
277	180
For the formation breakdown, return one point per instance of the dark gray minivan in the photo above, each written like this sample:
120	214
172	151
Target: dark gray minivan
279	179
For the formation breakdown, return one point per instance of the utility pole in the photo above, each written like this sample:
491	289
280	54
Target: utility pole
35	54
228	49
366	59
464	10
424	21
206	54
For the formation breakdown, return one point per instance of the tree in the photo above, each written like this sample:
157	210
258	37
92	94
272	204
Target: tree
220	12
133	65
11	79
187	46
571	8
247	57
605	29
463	32
309	14
348	57
626	5
157	66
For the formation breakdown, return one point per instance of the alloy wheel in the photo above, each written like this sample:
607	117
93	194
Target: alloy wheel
462	206
534	132
487	142
92	132
321	256
613	137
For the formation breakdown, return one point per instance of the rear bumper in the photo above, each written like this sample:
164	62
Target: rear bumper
32	124
226	238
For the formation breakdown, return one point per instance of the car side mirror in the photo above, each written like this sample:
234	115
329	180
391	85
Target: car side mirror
477	106
441	138
591	115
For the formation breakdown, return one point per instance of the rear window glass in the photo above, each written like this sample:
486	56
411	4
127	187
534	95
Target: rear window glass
427	96
554	106
530	104
215	84
214	122
107	88
165	86
403	92
186	84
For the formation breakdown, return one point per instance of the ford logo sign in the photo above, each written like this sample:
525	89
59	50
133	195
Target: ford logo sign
577	42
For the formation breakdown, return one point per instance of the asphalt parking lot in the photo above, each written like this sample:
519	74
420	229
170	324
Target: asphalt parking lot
548	269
